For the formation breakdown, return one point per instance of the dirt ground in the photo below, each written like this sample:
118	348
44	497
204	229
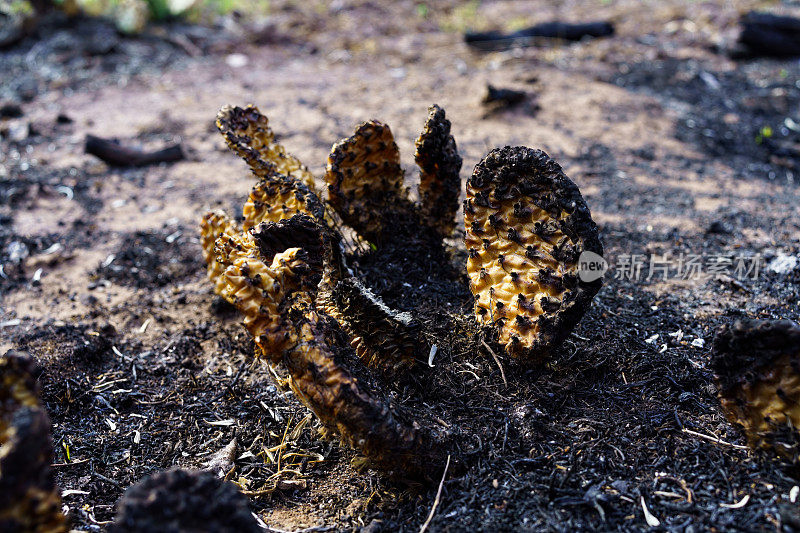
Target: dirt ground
676	147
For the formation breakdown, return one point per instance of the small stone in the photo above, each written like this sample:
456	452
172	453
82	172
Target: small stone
18	131
783	263
237	60
17	251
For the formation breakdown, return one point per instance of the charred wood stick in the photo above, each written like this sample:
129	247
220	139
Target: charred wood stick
495	40
117	155
769	35
503	97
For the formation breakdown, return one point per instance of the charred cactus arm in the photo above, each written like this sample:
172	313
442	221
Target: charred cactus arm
275	289
526	225
365	182
232	246
757	369
247	133
439	165
364	420
274	198
381	336
259	290
29	498
321	244
323	248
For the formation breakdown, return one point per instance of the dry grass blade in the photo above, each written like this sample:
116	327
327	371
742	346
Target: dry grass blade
496	360
437	499
713	439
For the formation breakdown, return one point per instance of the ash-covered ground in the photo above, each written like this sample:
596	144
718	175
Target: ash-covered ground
677	148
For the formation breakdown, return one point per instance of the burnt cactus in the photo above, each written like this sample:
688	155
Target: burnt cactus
439	167
311	315
29	498
757	368
180	500
247	133
526	226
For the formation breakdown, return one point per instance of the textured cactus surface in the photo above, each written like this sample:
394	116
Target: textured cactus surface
287	270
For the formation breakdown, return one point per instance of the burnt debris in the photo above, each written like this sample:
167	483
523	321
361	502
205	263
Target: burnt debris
118	155
497	99
768	35
503	97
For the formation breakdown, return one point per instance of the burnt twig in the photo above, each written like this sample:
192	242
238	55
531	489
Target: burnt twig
768	35
118	155
495	40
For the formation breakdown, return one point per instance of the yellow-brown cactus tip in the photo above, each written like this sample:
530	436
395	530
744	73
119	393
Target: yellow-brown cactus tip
29	498
319	243
213	225
365	181
526	226
260	291
439	165
278	197
247	132
757	368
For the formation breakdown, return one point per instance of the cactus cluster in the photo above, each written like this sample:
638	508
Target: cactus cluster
286	269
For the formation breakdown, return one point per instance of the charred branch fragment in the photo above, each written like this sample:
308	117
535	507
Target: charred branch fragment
115	154
764	34
495	40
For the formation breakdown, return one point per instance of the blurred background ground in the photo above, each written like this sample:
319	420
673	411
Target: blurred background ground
675	146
